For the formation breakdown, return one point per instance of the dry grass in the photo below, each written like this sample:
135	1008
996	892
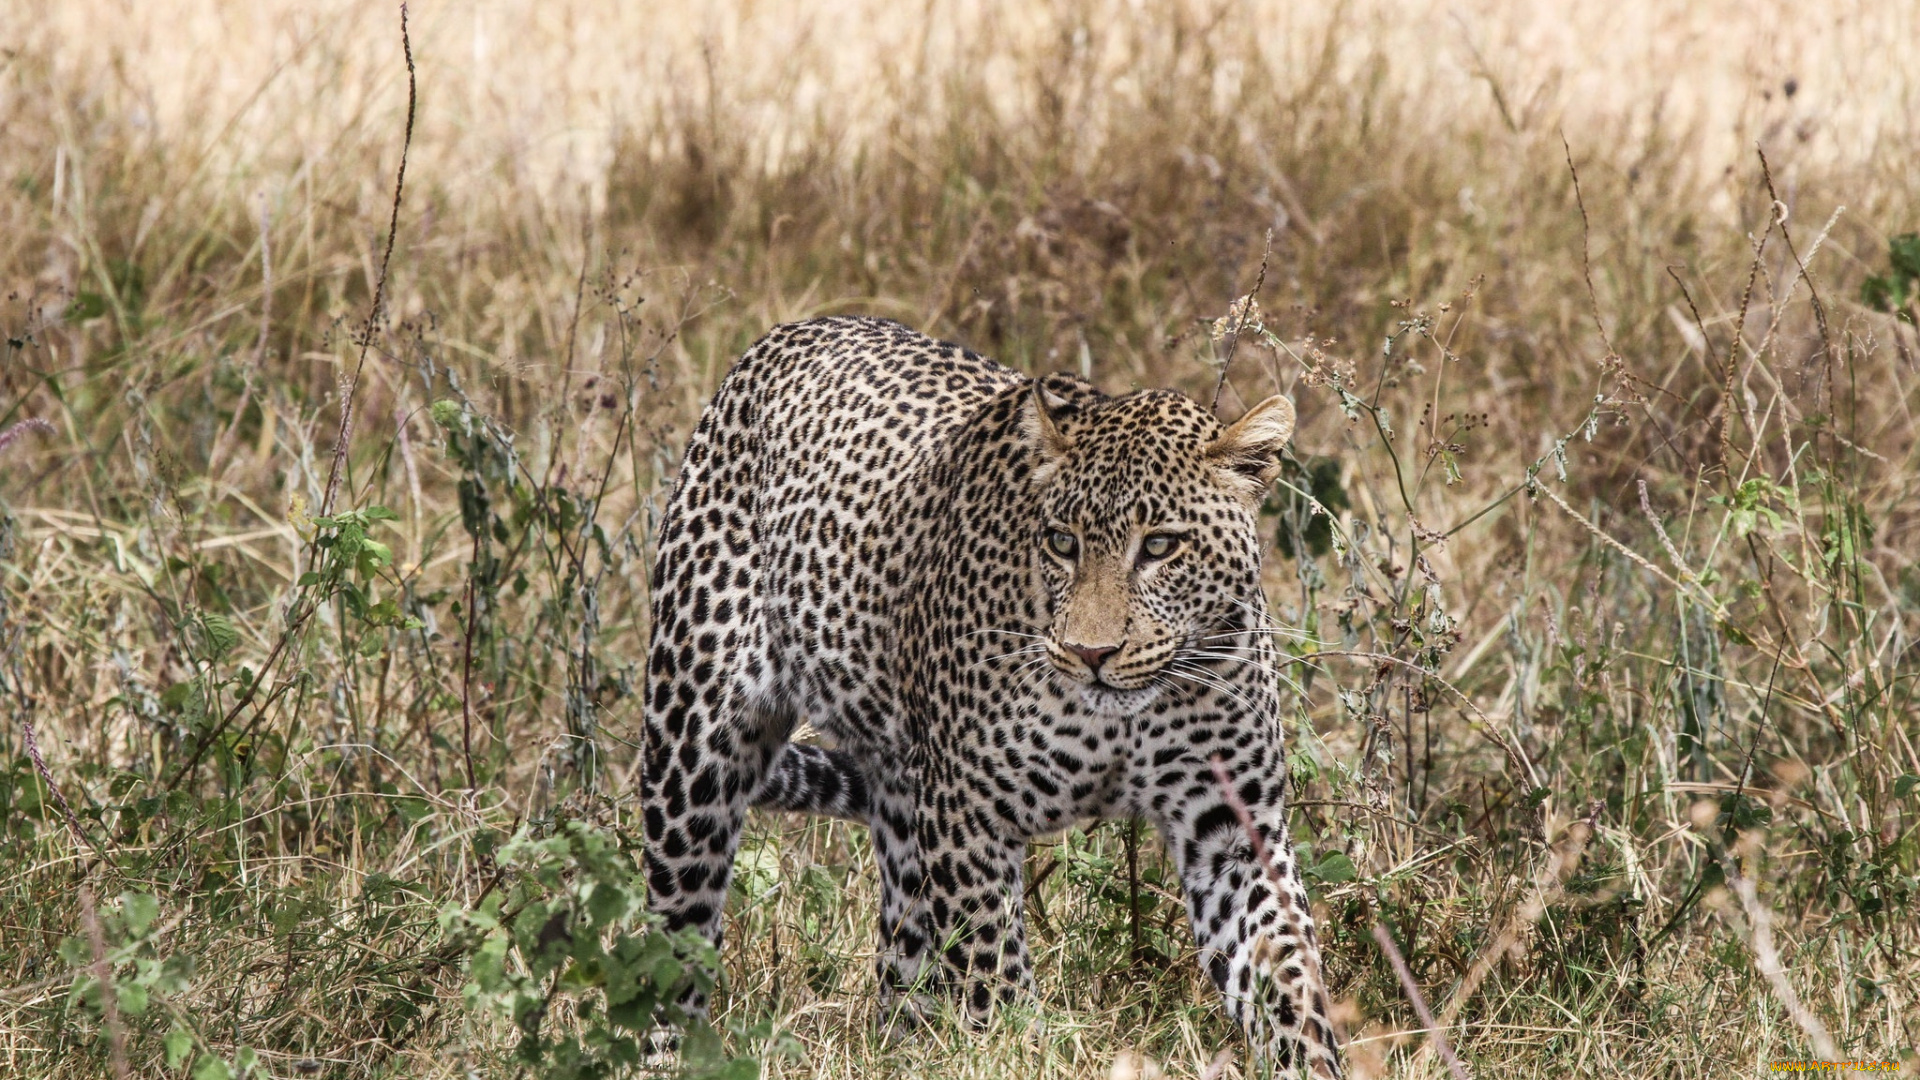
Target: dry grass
1612	699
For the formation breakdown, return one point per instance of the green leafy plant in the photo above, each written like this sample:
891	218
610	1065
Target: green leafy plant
570	955
351	559
135	970
124	976
1899	287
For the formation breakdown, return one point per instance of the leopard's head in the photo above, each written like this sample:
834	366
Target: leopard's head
1146	542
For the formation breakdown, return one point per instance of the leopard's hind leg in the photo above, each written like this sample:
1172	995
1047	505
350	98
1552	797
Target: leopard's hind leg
714	715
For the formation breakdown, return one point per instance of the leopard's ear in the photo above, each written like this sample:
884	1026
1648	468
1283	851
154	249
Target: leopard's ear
1249	450
1043	429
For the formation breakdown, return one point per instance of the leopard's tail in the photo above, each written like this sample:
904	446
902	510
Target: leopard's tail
815	780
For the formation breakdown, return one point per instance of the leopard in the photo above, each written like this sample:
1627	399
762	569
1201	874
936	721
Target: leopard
1006	604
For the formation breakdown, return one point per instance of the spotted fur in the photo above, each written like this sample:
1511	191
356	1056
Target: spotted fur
1009	604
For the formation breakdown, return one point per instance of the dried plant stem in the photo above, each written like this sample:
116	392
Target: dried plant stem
1240	319
15	431
466	670
103	977
1633	556
1516	757
1310	956
303	604
1706	343
1767	957
1436	1035
1241	812
1819	308
1547	885
376	307
46	777
1586	249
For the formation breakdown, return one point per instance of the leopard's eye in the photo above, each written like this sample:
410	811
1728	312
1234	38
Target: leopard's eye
1063	543
1159	545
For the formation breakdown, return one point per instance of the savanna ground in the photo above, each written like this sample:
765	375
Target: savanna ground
1602	533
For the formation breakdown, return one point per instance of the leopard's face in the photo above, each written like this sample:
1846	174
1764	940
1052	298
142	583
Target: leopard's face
1146	543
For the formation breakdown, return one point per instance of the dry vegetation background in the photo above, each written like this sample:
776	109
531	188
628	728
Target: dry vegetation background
1609	703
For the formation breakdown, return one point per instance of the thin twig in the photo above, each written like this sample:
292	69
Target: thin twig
466	666
266	282
1638	559
1547	886
1706	342
1246	822
1435	1036
374	309
1586	248
103	979
1516	758
1246	305
1311	954
46	777
303	606
1740	335
1659	530
1760	936
1819	308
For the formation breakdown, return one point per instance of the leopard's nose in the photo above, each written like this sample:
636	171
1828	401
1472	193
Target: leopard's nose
1092	655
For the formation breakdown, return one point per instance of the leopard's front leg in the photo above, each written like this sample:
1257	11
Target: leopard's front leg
952	912
1255	934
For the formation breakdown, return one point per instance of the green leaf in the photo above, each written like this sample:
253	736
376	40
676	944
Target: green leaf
1903	254
211	1068
1893	290
635	1013
606	903
1905	785
176	973
446	412
138	910
412	808
87	305
132	999
1334	869
220	633
373	556
179	1044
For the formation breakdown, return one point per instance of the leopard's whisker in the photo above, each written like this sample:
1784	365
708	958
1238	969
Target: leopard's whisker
1206	654
1009	633
1279	660
1267	631
1178	671
1026	651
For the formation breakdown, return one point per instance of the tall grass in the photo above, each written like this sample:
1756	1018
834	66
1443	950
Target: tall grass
1601	527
